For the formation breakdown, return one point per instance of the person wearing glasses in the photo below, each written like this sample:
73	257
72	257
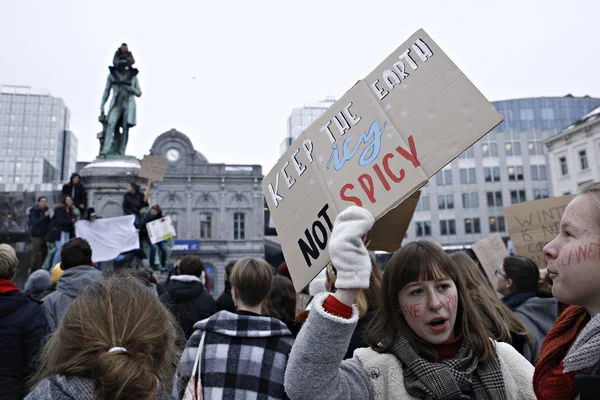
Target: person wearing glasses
518	282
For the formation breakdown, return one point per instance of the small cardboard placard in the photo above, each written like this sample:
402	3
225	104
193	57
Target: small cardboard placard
533	224
153	167
161	229
374	147
491	252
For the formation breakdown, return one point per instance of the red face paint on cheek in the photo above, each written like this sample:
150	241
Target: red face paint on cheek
413	310
452	301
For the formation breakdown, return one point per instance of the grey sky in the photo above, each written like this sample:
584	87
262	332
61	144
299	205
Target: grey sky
228	74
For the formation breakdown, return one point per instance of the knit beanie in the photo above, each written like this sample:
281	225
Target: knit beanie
38	281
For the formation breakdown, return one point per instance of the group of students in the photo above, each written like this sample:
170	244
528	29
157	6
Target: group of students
432	327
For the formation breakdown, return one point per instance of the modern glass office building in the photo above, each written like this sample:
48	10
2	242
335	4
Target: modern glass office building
301	118
36	145
465	201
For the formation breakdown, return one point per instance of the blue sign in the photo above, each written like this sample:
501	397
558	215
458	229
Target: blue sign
185	246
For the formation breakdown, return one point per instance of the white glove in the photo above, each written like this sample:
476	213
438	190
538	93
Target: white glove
348	253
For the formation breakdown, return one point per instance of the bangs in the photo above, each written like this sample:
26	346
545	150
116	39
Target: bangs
423	261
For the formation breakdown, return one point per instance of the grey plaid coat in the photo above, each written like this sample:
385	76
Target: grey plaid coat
244	356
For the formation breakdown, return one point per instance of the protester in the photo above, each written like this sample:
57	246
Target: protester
225	300
39	218
79	273
518	282
187	297
91	214
22	329
75	190
569	363
497	317
134	201
60	230
367	301
427	340
154	215
38	284
115	342
281	303
244	354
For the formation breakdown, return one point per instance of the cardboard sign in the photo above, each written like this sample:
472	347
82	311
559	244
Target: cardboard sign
533	224
374	147
161	229
491	252
153	167
388	232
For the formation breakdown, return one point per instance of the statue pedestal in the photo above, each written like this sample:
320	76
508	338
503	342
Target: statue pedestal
105	180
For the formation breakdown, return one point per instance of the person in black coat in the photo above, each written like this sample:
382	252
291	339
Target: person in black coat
186	296
23	327
39	218
225	300
154	214
61	228
74	189
134	201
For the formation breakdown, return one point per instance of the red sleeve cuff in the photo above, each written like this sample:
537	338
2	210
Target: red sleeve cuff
337	308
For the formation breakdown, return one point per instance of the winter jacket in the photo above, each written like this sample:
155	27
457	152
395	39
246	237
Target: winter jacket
538	315
61	221
225	300
359	336
63	387
23	327
38	222
188	300
147	219
316	371
72	282
244	357
76	192
38	284
133	203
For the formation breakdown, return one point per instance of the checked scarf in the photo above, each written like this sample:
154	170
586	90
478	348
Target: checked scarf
449	379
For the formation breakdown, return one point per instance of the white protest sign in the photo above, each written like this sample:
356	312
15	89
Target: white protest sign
374	147
109	237
161	229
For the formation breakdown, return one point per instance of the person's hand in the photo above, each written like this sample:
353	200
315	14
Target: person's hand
137	230
348	252
81	206
47	213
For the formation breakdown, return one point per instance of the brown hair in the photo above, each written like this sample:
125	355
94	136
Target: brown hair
367	299
423	261
117	312
252	279
156	208
191	265
281	301
496	316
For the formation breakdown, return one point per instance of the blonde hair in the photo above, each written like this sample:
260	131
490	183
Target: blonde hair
8	261
117	312
496	316
252	279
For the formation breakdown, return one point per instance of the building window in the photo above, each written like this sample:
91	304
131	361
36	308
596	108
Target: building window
540	194
444	177
446	202
472	225
583	160
564	168
512	148
547	113
206	226
470	200
489	150
538	173
494	199
447	227
497	224
527	114
491	174
423	204
515	173
535	148
469	153
517	196
239	231
468	175
423	228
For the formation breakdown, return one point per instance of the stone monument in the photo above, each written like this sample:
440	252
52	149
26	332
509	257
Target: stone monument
107	176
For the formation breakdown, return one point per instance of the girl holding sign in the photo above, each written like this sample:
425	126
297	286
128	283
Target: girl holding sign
426	342
569	362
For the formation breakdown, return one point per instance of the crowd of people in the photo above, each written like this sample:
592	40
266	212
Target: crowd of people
430	326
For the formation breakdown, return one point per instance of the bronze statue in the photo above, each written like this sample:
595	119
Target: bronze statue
121	116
